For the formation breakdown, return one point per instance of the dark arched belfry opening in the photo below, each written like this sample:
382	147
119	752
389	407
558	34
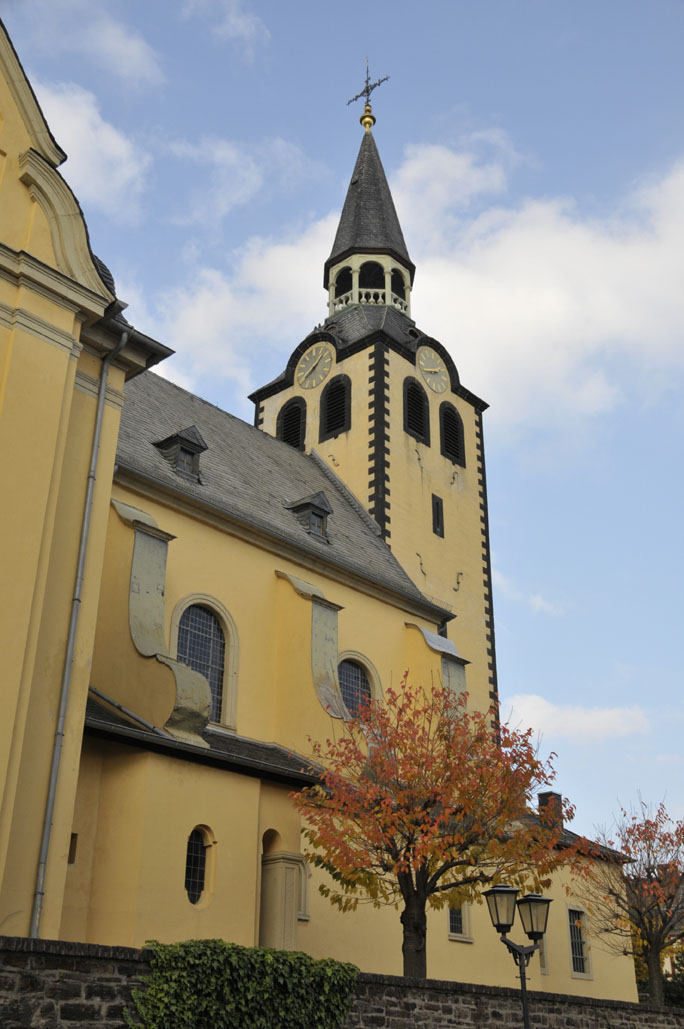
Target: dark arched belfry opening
291	423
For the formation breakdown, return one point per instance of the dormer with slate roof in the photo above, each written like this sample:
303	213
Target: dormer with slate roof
182	450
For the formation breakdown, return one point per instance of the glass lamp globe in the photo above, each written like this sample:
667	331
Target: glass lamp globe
534	914
501	904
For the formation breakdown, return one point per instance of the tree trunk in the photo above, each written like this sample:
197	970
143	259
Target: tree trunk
655	977
414	921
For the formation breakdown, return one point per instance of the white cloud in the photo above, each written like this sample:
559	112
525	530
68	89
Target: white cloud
233	173
573	722
231	21
535	601
105	169
225	326
553	316
549	314
88	30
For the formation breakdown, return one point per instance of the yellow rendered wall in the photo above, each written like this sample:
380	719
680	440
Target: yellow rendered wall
276	699
134	814
450	570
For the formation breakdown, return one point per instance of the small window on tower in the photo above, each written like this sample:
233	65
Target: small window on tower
371	276
451	434
335	408
398	286
437	516
343	282
291	423
416	411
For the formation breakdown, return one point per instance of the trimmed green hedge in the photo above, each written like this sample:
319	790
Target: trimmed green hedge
210	984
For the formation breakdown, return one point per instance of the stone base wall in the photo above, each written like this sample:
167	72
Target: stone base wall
61	985
390	1002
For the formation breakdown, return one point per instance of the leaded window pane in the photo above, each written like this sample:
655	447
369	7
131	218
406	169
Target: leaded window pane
202	646
354	685
195	865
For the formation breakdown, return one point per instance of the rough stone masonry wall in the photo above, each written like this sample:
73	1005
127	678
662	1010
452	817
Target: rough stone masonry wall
61	985
389	1002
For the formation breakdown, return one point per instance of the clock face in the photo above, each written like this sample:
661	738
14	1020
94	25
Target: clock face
314	366
433	369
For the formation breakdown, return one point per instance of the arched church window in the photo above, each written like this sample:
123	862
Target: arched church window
371	276
398	284
343	282
195	865
335	407
202	645
452	441
291	423
416	411
354	685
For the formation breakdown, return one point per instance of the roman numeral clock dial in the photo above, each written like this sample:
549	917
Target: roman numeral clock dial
314	366
433	369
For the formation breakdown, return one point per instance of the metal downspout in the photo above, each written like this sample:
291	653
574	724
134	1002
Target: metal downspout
39	893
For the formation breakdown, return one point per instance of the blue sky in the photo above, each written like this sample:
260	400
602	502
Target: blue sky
536	155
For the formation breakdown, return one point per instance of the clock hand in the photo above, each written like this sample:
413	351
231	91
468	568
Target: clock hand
314	366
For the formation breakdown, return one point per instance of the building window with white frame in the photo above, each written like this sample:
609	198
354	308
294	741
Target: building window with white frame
459	923
578	943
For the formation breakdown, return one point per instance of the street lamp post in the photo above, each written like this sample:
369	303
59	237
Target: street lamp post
534	913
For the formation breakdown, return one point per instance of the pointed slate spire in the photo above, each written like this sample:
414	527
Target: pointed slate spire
369	222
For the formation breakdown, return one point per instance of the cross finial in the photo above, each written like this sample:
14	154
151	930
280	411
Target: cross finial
367	118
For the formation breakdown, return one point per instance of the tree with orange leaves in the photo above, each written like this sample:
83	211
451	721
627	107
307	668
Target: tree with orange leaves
638	898
424	803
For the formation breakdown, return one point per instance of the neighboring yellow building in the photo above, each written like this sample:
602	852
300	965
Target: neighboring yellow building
187	599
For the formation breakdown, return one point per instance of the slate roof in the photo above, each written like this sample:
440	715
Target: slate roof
251	477
369	220
227	750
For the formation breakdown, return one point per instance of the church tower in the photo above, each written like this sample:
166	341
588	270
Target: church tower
381	402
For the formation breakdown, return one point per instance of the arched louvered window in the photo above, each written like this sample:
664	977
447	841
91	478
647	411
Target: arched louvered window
354	685
202	645
335	407
452	442
291	423
195	865
371	276
416	411
398	284
343	282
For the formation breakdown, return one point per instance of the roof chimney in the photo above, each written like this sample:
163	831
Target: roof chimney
551	809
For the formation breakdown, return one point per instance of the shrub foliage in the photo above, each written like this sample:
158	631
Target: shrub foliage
210	984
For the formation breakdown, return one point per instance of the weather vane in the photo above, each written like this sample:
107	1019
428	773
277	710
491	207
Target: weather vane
367	119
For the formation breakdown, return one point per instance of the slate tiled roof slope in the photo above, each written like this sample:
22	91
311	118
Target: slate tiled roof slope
227	750
369	220
250	476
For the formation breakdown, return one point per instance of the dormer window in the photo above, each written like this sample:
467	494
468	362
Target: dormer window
317	524
182	451
312	514
187	461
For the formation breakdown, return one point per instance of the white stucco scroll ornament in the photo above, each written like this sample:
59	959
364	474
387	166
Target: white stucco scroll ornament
146	619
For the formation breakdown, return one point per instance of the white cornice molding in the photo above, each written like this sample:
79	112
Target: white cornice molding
65	218
22	268
26	102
